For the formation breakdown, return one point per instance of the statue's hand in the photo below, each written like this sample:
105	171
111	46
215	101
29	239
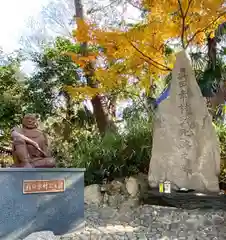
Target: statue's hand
39	149
36	145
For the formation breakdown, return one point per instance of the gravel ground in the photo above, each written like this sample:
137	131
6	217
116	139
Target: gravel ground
151	222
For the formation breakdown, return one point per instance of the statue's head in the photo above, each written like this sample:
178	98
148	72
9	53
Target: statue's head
30	121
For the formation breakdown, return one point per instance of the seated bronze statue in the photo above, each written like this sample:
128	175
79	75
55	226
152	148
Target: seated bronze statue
30	145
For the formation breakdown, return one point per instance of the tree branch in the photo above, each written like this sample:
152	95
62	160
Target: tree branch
203	29
101	8
189	4
151	61
183	24
133	5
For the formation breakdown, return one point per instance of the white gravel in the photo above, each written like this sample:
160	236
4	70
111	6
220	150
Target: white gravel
151	222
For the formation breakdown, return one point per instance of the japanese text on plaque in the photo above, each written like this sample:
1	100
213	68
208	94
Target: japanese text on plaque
42	186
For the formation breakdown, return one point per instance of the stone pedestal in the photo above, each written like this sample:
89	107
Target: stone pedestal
41	199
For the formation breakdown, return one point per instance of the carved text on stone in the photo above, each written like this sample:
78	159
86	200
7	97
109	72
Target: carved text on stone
186	124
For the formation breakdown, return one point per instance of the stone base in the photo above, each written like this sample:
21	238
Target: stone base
23	213
189	200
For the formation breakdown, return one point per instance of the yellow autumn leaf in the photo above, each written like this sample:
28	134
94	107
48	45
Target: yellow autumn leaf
82	32
200	38
212	35
83	91
138	51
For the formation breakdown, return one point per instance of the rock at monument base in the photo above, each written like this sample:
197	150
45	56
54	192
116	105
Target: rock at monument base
119	193
137	185
92	194
46	235
185	145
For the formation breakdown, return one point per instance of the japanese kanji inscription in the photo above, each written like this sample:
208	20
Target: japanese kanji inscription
43	186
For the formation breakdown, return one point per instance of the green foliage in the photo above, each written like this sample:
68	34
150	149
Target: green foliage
121	154
11	91
221	132
75	139
55	70
209	79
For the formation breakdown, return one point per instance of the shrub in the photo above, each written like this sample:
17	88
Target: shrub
122	154
221	132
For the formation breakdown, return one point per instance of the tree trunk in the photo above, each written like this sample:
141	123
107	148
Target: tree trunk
68	116
217	101
212	52
101	116
104	124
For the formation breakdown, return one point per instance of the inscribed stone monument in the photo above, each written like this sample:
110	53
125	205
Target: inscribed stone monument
185	145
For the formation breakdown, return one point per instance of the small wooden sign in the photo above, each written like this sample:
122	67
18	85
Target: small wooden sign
43	186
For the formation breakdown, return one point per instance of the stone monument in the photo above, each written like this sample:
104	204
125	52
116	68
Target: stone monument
30	145
185	148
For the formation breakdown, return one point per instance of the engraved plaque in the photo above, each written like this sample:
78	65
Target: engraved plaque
43	186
